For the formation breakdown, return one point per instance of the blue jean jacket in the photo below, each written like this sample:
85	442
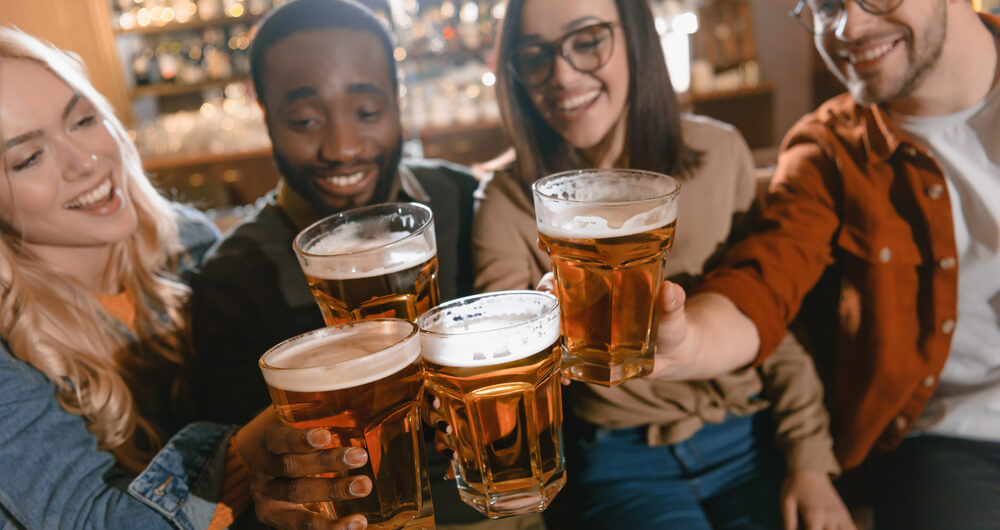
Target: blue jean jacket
53	476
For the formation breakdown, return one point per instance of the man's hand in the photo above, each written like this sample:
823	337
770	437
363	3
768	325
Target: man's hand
676	346
284	462
809	496
703	337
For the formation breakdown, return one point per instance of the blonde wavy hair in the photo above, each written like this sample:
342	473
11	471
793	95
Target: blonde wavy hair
53	323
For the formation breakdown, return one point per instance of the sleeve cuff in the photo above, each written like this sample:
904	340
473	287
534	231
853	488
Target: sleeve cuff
811	455
748	298
184	480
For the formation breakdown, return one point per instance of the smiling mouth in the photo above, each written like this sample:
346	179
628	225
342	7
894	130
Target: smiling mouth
574	104
345	180
99	193
870	54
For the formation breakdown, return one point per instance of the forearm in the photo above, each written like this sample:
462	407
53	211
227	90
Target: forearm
718	339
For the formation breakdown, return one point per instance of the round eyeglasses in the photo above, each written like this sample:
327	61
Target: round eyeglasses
585	49
821	17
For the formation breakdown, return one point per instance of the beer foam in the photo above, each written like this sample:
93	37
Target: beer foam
343	253
588	206
580	222
341	356
489	329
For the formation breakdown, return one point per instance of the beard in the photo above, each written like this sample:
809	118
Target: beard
922	56
302	180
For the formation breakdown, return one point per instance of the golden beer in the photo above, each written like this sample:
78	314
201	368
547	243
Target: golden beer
608	234
493	361
373	262
363	382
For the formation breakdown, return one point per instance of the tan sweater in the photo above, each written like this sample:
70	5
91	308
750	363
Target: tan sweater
715	197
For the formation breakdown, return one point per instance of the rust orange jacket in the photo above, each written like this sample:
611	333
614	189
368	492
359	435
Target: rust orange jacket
853	201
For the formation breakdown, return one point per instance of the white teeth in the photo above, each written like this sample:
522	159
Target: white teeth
575	102
346	180
871	54
91	197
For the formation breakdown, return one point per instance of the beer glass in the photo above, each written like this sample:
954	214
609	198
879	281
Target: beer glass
372	262
362	381
493	361
608	233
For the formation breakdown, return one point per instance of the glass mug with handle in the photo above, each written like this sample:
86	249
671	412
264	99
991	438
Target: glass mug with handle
493	361
363	382
371	262
608	233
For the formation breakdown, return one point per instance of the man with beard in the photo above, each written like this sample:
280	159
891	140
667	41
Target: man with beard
325	76
888	199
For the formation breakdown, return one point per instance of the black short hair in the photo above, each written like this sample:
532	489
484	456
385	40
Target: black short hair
299	16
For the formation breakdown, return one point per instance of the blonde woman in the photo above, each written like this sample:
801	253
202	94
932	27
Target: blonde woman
94	334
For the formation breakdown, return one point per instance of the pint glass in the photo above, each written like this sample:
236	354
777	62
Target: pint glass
608	233
372	262
493	361
362	381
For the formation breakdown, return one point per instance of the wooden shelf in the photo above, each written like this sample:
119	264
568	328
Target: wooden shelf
715	95
460	50
159	163
193	24
456	128
174	89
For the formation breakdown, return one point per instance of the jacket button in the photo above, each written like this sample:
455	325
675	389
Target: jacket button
885	254
935	191
948	326
948	263
928	381
909	150
899	423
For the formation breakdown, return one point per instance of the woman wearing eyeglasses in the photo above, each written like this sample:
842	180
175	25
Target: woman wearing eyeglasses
584	84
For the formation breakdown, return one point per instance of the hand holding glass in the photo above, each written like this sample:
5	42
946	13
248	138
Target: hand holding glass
493	361
362	381
608	233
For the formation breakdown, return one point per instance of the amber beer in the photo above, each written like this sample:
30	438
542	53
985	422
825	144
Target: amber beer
493	361
608	233
362	381
373	262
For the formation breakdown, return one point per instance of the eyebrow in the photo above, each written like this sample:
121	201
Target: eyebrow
23	138
365	88
571	25
69	106
296	94
20	139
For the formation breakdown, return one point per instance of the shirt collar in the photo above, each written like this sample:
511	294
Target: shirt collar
882	135
302	214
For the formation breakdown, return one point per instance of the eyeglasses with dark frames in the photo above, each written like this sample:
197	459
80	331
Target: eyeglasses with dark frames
586	49
822	17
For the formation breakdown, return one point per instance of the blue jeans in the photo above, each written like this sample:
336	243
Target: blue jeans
727	475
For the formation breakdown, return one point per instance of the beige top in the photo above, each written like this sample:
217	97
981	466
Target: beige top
713	202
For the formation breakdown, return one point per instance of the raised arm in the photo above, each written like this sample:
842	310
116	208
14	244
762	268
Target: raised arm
740	313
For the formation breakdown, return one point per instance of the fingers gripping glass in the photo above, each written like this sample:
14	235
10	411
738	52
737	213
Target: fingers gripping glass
585	49
821	17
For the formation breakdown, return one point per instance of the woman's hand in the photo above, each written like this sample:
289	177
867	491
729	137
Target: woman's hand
282	461
809	496
442	430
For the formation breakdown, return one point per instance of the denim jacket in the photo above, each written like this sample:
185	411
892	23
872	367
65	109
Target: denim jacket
53	476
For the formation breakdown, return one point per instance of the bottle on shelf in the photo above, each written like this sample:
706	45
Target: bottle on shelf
209	9
214	56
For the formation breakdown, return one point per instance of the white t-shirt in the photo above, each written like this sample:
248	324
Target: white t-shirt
966	145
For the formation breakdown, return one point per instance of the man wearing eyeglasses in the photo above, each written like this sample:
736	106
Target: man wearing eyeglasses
886	205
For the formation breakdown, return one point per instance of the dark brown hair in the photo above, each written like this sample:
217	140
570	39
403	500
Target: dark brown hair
653	125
